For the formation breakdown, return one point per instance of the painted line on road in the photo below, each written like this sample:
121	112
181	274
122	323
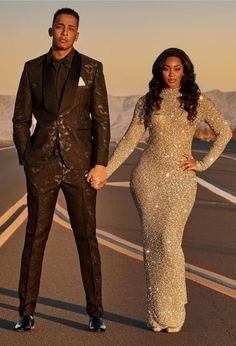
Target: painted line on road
63	223
5	148
119	183
202	152
12	210
61	211
9	221
109	240
13	227
12	219
199	275
218	189
119	249
222	155
202	276
212	186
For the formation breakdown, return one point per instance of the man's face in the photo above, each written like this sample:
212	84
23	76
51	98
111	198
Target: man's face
64	32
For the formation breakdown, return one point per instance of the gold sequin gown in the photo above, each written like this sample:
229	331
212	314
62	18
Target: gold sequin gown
165	194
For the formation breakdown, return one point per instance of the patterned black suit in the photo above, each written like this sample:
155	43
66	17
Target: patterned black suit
71	136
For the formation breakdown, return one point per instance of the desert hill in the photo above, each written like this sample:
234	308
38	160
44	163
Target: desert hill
121	110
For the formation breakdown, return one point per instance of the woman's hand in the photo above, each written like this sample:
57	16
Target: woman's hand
187	163
97	184
97	177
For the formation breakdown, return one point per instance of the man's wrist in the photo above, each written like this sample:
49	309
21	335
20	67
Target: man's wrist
100	163
97	165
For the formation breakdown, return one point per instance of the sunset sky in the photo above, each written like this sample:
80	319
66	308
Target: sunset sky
126	36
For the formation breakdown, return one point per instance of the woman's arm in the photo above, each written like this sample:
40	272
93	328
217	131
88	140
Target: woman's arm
218	124
131	138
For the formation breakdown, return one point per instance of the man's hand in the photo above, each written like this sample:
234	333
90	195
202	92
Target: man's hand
97	177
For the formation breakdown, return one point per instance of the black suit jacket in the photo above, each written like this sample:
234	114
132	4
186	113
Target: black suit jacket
82	123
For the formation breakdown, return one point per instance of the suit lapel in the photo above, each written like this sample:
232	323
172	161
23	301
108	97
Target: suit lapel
71	85
49	91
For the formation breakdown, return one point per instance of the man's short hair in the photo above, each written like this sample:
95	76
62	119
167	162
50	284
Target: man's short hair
66	10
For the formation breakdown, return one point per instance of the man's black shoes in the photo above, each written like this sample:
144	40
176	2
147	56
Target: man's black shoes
96	324
25	323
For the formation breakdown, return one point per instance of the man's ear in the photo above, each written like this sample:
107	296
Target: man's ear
50	32
77	36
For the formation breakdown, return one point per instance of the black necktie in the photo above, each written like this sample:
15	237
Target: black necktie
57	63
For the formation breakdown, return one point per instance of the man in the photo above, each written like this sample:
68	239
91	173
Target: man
66	92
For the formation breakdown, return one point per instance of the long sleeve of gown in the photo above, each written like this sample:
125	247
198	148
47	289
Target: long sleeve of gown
218	124
131	138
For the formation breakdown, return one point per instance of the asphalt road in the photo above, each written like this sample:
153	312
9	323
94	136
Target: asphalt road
209	246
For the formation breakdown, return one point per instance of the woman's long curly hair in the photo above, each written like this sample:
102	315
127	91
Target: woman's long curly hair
189	89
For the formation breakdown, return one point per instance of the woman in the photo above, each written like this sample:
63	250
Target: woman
164	183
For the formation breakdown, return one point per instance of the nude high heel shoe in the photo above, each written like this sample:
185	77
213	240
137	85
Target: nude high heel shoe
173	329
155	327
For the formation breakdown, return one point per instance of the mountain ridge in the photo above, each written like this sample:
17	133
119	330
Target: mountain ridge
121	111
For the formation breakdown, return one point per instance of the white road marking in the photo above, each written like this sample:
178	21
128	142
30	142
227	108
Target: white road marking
203	152
222	155
5	148
119	183
226	195
202	276
197	274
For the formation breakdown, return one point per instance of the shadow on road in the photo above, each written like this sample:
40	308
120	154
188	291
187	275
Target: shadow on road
64	306
208	248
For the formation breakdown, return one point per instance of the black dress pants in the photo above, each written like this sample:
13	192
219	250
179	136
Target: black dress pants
43	184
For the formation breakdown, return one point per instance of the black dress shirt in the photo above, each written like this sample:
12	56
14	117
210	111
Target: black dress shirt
60	70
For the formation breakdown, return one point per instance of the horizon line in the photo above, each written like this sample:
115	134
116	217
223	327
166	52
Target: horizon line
129	95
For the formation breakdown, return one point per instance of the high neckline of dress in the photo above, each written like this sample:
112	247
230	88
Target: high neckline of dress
170	92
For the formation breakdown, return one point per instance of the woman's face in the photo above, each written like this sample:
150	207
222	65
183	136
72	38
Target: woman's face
172	72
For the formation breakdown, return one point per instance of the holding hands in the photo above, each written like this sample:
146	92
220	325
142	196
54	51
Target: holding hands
97	177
